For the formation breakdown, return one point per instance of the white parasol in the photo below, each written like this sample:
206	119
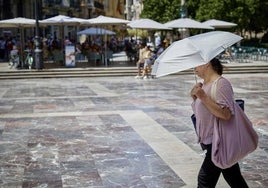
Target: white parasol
96	31
193	51
187	23
62	20
219	23
105	20
148	24
17	22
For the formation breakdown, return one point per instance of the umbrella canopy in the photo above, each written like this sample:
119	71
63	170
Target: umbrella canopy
193	51
62	20
17	22
95	31
147	24
219	23
187	23
105	20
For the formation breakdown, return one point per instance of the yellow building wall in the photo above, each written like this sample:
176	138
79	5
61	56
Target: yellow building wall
115	8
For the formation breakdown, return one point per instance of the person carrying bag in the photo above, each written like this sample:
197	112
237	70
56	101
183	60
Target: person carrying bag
220	127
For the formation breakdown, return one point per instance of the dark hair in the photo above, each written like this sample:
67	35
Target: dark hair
216	65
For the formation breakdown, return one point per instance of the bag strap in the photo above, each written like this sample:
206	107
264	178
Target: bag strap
240	102
214	89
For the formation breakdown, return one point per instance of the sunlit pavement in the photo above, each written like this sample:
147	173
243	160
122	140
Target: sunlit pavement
114	132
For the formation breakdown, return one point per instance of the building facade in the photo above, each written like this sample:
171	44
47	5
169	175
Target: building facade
48	8
74	8
133	9
125	9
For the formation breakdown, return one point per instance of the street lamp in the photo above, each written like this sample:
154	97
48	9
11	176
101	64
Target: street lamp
184	14
183	10
38	51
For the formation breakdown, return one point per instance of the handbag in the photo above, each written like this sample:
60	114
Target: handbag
234	139
240	102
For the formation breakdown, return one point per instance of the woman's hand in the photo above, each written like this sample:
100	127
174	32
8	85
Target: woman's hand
218	111
197	91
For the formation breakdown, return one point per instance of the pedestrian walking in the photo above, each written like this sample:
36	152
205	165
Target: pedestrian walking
140	62
206	111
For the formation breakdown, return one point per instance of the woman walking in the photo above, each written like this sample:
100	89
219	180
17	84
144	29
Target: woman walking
206	110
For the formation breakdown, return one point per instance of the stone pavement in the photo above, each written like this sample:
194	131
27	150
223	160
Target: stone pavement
114	132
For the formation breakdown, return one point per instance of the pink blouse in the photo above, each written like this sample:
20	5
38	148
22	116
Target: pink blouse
204	119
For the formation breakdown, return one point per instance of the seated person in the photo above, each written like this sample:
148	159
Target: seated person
14	57
227	56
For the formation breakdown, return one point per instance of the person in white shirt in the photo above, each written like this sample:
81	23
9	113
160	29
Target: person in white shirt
157	40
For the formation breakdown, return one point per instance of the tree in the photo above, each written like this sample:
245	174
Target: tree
249	15
258	21
227	10
161	11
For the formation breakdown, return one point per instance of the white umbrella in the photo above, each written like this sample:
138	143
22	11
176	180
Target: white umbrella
147	24
193	51
187	23
17	22
105	20
62	20
96	31
219	23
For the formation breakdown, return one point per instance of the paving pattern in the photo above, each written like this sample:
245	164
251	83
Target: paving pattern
114	132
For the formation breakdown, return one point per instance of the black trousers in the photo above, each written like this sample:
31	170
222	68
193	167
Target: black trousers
209	173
